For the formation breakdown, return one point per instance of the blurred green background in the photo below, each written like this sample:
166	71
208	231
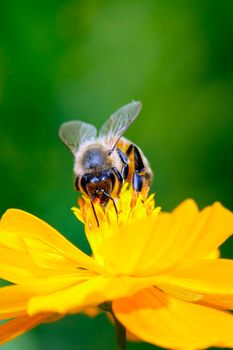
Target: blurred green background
62	60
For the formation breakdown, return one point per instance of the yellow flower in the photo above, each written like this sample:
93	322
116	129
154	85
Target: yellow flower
159	270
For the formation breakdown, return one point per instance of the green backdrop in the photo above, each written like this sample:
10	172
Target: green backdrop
62	60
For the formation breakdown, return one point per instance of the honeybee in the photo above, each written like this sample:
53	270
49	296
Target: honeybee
103	163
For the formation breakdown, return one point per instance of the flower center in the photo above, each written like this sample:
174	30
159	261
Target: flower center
103	221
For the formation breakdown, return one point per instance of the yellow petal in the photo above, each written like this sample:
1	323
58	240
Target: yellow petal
122	250
13	301
15	266
51	284
154	245
214	226
208	280
91	311
14	298
141	245
173	324
215	254
222	302
18	326
89	293
46	247
190	235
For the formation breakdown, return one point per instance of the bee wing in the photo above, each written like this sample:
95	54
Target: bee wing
119	122
75	132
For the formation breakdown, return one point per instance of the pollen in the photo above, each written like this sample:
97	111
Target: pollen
130	206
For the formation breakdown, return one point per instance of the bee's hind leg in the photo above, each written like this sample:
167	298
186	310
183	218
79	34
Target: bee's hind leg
137	182
120	179
138	177
124	159
139	168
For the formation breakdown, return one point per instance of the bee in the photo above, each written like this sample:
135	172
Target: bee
103	163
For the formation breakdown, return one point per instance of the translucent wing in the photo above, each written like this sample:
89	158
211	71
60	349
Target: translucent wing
119	122
75	132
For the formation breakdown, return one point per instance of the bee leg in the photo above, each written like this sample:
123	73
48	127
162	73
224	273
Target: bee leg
124	159
137	182
138	162
120	179
113	201
93	208
139	172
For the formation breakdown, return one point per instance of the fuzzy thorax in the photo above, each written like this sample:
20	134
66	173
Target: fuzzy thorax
94	156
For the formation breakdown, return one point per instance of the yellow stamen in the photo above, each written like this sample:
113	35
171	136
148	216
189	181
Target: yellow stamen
130	207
